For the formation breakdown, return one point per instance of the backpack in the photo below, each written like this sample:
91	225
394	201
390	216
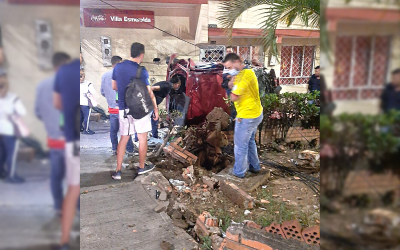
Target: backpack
137	97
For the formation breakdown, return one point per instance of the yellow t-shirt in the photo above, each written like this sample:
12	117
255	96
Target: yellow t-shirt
246	87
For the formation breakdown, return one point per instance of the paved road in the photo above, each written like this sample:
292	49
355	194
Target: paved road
26	208
119	214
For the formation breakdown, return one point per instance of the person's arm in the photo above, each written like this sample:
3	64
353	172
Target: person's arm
156	88
153	99
92	90
102	86
57	101
234	97
145	79
37	105
114	78
114	85
20	108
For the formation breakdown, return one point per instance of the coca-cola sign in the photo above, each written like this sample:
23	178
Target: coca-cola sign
110	18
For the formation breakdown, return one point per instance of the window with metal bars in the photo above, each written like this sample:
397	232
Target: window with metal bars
361	66
297	63
212	53
248	53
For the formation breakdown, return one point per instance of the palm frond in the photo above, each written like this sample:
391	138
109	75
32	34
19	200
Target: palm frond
307	12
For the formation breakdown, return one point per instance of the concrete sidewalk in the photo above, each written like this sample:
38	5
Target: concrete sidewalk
119	214
26	208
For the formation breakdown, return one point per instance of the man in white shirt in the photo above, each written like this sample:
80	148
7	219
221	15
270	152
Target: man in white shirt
86	87
10	105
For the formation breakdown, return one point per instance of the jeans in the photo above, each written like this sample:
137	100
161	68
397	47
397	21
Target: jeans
245	146
8	146
57	163
85	117
114	128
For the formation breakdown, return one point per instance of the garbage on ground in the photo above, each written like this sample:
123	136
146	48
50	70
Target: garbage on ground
247	212
179	185
188	173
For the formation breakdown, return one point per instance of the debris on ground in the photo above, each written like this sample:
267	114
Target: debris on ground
179	185
188	175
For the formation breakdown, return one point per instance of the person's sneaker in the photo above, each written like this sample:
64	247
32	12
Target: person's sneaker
116	175
147	168
82	129
88	132
131	154
113	152
63	247
230	172
254	171
14	180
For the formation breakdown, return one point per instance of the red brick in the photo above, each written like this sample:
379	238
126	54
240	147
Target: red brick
168	150
174	145
252	224
292	229
232	245
311	235
202	218
180	154
212	222
256	244
210	182
179	140
237	195
275	229
201	229
190	154
232	236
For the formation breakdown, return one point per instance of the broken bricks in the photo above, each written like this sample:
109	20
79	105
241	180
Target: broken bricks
237	195
249	235
211	182
206	225
180	154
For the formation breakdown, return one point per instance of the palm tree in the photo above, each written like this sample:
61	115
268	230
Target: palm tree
274	12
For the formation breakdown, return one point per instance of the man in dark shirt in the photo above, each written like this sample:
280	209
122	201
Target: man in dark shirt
313	83
390	98
161	90
66	99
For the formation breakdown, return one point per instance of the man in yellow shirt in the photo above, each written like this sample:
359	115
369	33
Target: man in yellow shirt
247	102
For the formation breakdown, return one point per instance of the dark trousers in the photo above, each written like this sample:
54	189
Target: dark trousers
114	128
8	151
85	117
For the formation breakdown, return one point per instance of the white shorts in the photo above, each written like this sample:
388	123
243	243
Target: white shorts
130	126
72	164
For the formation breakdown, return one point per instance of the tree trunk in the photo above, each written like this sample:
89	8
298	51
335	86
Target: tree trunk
171	127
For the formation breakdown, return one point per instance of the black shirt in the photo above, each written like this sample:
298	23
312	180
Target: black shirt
165	88
313	83
390	99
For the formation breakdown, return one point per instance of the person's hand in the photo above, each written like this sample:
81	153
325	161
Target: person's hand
155	115
230	84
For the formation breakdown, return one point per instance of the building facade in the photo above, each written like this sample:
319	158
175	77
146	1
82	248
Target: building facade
191	30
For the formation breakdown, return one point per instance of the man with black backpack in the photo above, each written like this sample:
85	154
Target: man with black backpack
136	103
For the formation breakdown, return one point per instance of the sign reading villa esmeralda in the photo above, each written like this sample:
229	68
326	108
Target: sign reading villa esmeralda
110	18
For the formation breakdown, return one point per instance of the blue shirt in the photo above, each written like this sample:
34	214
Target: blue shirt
123	73
107	91
45	109
68	86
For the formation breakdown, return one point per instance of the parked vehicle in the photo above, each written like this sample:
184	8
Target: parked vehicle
200	90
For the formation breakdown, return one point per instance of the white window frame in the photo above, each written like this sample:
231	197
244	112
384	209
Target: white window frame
302	64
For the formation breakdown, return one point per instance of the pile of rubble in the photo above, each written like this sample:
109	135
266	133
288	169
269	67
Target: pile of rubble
249	235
